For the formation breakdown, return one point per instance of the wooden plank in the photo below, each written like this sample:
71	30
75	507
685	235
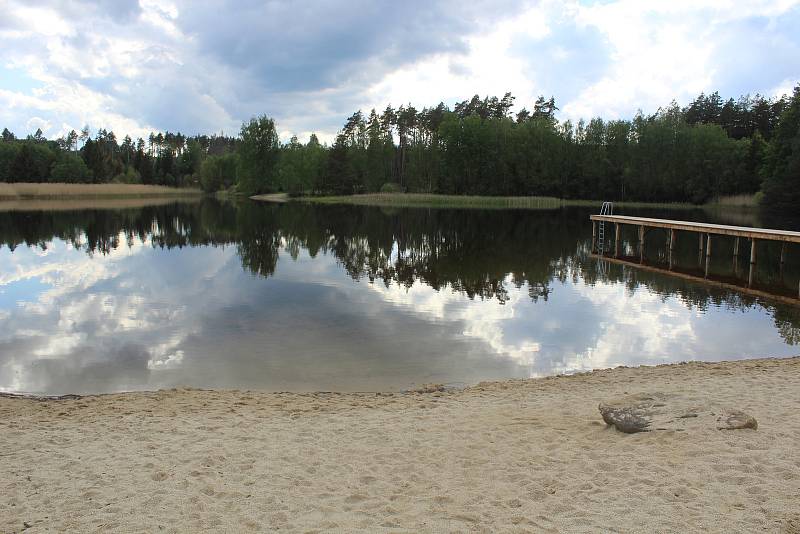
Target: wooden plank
719	229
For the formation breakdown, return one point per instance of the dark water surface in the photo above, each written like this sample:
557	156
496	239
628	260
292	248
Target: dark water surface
303	297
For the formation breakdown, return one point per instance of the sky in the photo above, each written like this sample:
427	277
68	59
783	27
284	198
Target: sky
205	67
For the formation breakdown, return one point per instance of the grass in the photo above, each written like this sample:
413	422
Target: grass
464	201
21	191
274	197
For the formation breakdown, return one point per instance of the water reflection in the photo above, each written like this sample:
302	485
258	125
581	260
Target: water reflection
344	298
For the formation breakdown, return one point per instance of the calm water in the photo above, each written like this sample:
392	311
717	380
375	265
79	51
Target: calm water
299	297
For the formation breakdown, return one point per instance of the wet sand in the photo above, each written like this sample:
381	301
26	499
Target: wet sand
515	456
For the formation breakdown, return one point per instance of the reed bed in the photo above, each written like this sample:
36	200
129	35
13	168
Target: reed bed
737	201
17	191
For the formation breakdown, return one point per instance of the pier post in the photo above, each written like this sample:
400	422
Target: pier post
617	232
708	245
672	235
641	243
736	248
594	235
783	260
701	243
752	251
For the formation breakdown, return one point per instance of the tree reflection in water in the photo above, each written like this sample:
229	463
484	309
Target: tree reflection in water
475	252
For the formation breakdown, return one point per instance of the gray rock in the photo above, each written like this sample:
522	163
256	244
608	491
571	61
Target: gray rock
736	420
647	412
633	413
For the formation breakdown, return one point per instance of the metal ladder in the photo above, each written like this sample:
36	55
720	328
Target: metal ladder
607	209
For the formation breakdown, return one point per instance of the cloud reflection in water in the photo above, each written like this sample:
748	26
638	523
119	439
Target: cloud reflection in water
148	316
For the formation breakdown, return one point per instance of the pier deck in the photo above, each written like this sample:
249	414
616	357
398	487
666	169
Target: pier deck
703	228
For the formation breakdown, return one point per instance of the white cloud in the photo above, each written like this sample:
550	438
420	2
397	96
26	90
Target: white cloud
180	66
485	69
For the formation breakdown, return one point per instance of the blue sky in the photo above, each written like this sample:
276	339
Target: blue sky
137	66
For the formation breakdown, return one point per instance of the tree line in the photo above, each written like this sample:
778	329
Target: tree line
705	150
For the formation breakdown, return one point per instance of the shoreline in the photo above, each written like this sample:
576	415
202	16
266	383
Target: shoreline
24	191
424	388
516	455
426	200
475	201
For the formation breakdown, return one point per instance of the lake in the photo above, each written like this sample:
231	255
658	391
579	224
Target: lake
296	297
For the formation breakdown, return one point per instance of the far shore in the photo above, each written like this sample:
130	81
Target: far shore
25	191
272	197
514	456
490	202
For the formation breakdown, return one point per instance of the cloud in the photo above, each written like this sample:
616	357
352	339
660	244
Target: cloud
206	67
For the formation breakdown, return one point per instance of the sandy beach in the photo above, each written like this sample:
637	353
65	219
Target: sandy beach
516	456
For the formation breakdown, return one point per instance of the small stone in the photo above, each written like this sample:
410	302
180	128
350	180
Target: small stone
736	420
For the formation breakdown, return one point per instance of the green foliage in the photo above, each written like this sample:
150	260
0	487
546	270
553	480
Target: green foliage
300	167
782	169
31	163
341	173
191	158
391	187
8	153
218	172
258	156
128	176
71	170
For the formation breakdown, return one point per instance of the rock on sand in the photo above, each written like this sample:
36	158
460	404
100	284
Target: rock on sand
645	412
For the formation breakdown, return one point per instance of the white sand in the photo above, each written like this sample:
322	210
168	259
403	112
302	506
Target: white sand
520	456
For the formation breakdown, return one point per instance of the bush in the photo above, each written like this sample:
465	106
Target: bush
71	170
129	176
391	187
218	172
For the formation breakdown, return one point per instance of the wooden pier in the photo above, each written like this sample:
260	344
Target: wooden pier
705	232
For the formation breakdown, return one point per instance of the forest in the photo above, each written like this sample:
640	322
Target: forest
708	149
